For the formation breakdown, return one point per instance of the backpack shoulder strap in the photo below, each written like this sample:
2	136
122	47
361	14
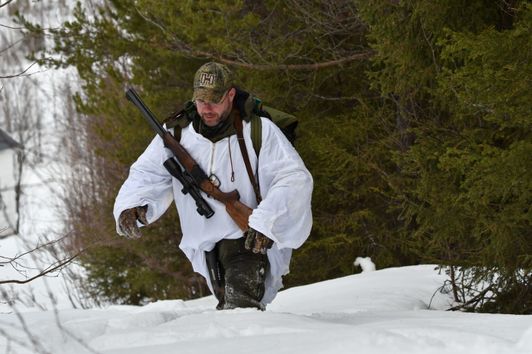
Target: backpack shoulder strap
180	120
256	133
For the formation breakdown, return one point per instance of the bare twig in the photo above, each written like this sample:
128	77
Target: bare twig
6	3
47	244
48	270
11	45
19	74
441	289
11	27
473	301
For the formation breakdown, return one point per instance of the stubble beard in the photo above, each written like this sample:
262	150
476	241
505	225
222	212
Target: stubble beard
212	119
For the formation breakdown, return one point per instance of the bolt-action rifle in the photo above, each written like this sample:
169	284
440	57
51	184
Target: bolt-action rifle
191	175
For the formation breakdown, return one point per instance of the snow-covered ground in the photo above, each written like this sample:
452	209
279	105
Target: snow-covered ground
386	311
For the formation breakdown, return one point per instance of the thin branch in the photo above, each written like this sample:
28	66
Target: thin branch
19	74
441	289
34	249
10	27
473	301
6	3
11	45
43	273
30	185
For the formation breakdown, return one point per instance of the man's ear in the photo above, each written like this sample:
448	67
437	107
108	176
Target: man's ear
231	94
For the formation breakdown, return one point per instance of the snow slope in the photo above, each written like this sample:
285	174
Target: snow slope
385	311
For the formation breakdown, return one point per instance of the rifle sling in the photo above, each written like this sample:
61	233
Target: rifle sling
245	156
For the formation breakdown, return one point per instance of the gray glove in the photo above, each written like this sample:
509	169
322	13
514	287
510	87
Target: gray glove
127	221
257	242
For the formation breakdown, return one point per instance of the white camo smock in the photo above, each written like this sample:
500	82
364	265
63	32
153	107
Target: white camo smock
284	214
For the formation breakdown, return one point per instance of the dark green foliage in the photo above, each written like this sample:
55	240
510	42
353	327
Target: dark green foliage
415	123
463	99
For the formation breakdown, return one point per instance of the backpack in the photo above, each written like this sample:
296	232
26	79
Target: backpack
286	122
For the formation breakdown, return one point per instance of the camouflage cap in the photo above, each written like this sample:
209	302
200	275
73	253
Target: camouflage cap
211	81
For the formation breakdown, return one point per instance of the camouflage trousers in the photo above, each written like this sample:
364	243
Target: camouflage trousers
240	275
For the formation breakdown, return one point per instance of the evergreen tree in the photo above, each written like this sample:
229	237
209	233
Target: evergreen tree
462	100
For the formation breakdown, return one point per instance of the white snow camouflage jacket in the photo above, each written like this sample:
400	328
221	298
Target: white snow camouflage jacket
284	214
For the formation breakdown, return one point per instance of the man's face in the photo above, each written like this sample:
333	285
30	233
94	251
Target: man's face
213	113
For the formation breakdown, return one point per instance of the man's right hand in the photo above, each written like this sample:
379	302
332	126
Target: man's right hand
127	221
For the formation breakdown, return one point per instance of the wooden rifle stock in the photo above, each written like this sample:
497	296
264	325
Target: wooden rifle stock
237	210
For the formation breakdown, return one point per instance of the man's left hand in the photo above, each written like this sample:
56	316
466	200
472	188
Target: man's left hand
257	242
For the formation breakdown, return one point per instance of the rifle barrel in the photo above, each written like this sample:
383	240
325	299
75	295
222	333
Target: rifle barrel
132	95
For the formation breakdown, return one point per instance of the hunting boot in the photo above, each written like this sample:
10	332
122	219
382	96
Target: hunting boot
244	273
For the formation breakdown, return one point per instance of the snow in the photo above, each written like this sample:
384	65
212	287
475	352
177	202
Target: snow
365	263
384	311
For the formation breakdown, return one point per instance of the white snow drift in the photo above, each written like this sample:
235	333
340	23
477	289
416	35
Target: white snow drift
385	311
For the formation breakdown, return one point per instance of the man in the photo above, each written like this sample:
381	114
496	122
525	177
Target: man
243	269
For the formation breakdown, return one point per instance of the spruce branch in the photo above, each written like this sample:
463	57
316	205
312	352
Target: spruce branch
184	48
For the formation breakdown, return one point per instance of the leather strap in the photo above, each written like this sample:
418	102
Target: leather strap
242	143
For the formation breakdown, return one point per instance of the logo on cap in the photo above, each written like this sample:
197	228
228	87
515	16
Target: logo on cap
207	79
